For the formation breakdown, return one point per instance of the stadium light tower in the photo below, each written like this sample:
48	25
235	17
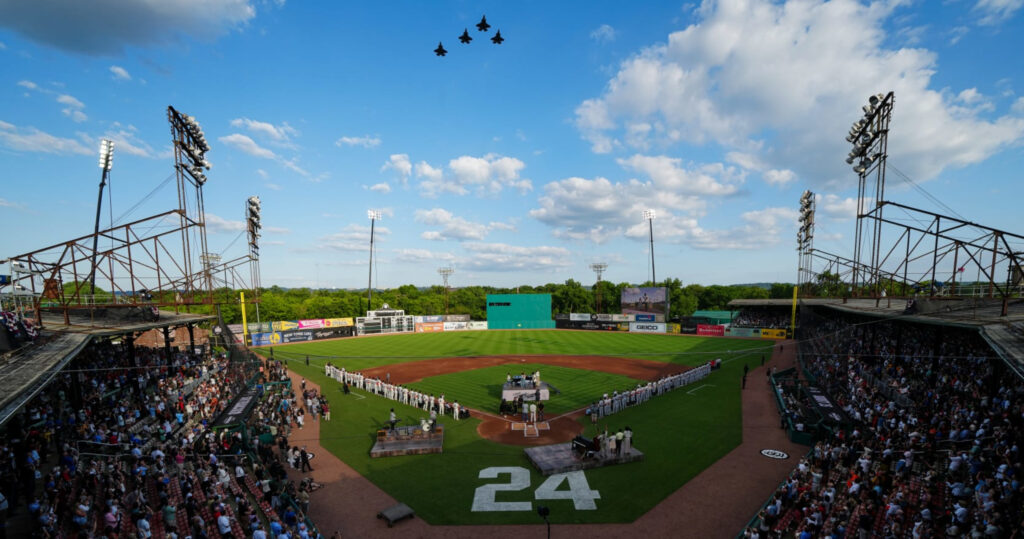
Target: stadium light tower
106	162
446	272
374	216
598	268
649	217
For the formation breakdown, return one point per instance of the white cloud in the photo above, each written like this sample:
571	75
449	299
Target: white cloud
603	33
215	223
1018	105
779	177
451	227
487	175
668	174
85	27
835	207
120	73
504	257
399	162
276	133
424	170
419	256
30	139
3	46
761	78
73	108
957	33
273	186
366	141
996	11
761	228
262	173
4	203
353	238
247	145
380	188
28	84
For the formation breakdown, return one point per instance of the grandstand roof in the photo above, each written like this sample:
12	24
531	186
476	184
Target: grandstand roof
1004	333
111	322
30	368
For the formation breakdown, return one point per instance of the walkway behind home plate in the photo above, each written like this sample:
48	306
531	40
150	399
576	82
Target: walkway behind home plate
716	503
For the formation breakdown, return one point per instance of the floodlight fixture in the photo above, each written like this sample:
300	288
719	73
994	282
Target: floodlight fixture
373	215
649	215
106	154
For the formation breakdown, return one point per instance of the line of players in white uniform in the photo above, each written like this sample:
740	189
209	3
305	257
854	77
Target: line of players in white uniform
616	402
394	392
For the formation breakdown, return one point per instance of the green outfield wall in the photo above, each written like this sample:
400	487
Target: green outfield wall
519	311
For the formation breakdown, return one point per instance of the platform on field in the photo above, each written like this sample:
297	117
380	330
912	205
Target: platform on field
559	458
510	391
410	440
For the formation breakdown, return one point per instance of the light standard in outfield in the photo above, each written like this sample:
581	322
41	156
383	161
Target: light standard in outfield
374	216
649	217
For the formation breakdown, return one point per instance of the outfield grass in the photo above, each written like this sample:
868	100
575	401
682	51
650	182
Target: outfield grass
680	433
480	389
366	352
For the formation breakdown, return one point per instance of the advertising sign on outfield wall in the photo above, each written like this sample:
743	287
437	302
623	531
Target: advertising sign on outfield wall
285	325
311	324
338	322
647	327
433	318
456	326
742	332
333	333
302	335
773	334
476	326
260	327
265	339
456	318
430	327
579	317
709	330
645	318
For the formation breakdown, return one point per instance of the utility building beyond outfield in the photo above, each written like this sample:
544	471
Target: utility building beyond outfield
519	311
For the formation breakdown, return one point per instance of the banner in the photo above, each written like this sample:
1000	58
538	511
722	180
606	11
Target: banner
673	328
286	325
456	326
302	335
259	327
476	326
235	328
645	318
708	330
265	339
561	316
647	327
332	333
311	324
337	322
773	334
430	327
604	317
456	318
592	325
579	317
742	332
433	318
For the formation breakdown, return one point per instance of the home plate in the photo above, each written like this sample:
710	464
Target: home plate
531	431
543	425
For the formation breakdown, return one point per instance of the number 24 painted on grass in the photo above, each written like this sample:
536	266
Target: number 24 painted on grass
519	479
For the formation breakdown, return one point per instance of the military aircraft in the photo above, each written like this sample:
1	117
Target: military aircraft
440	49
465	36
497	39
482	25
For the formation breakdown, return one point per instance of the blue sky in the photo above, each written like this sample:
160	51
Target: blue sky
515	164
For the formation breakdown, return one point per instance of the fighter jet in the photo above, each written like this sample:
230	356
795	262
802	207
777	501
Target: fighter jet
440	49
482	25
497	39
465	36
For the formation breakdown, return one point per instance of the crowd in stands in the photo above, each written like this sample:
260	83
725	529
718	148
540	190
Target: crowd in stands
933	448
121	444
762	318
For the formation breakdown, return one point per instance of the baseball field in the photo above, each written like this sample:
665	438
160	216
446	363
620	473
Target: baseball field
478	480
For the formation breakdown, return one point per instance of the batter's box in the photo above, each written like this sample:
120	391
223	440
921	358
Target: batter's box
531	432
518	426
543	425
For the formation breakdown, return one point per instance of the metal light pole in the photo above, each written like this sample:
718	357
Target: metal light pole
106	162
598	268
445	273
374	216
649	216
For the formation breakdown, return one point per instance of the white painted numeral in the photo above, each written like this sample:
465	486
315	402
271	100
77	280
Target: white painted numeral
483	498
579	490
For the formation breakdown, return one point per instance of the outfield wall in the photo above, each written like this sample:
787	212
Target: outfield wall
519	311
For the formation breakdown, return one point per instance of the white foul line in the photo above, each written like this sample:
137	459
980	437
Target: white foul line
690	392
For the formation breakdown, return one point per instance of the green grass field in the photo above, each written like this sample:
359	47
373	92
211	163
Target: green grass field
680	433
480	389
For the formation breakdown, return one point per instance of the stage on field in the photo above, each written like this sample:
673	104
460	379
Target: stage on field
569	457
511	391
409	440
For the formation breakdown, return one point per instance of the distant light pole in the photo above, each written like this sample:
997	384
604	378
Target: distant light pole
374	216
649	216
445	273
598	268
106	162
